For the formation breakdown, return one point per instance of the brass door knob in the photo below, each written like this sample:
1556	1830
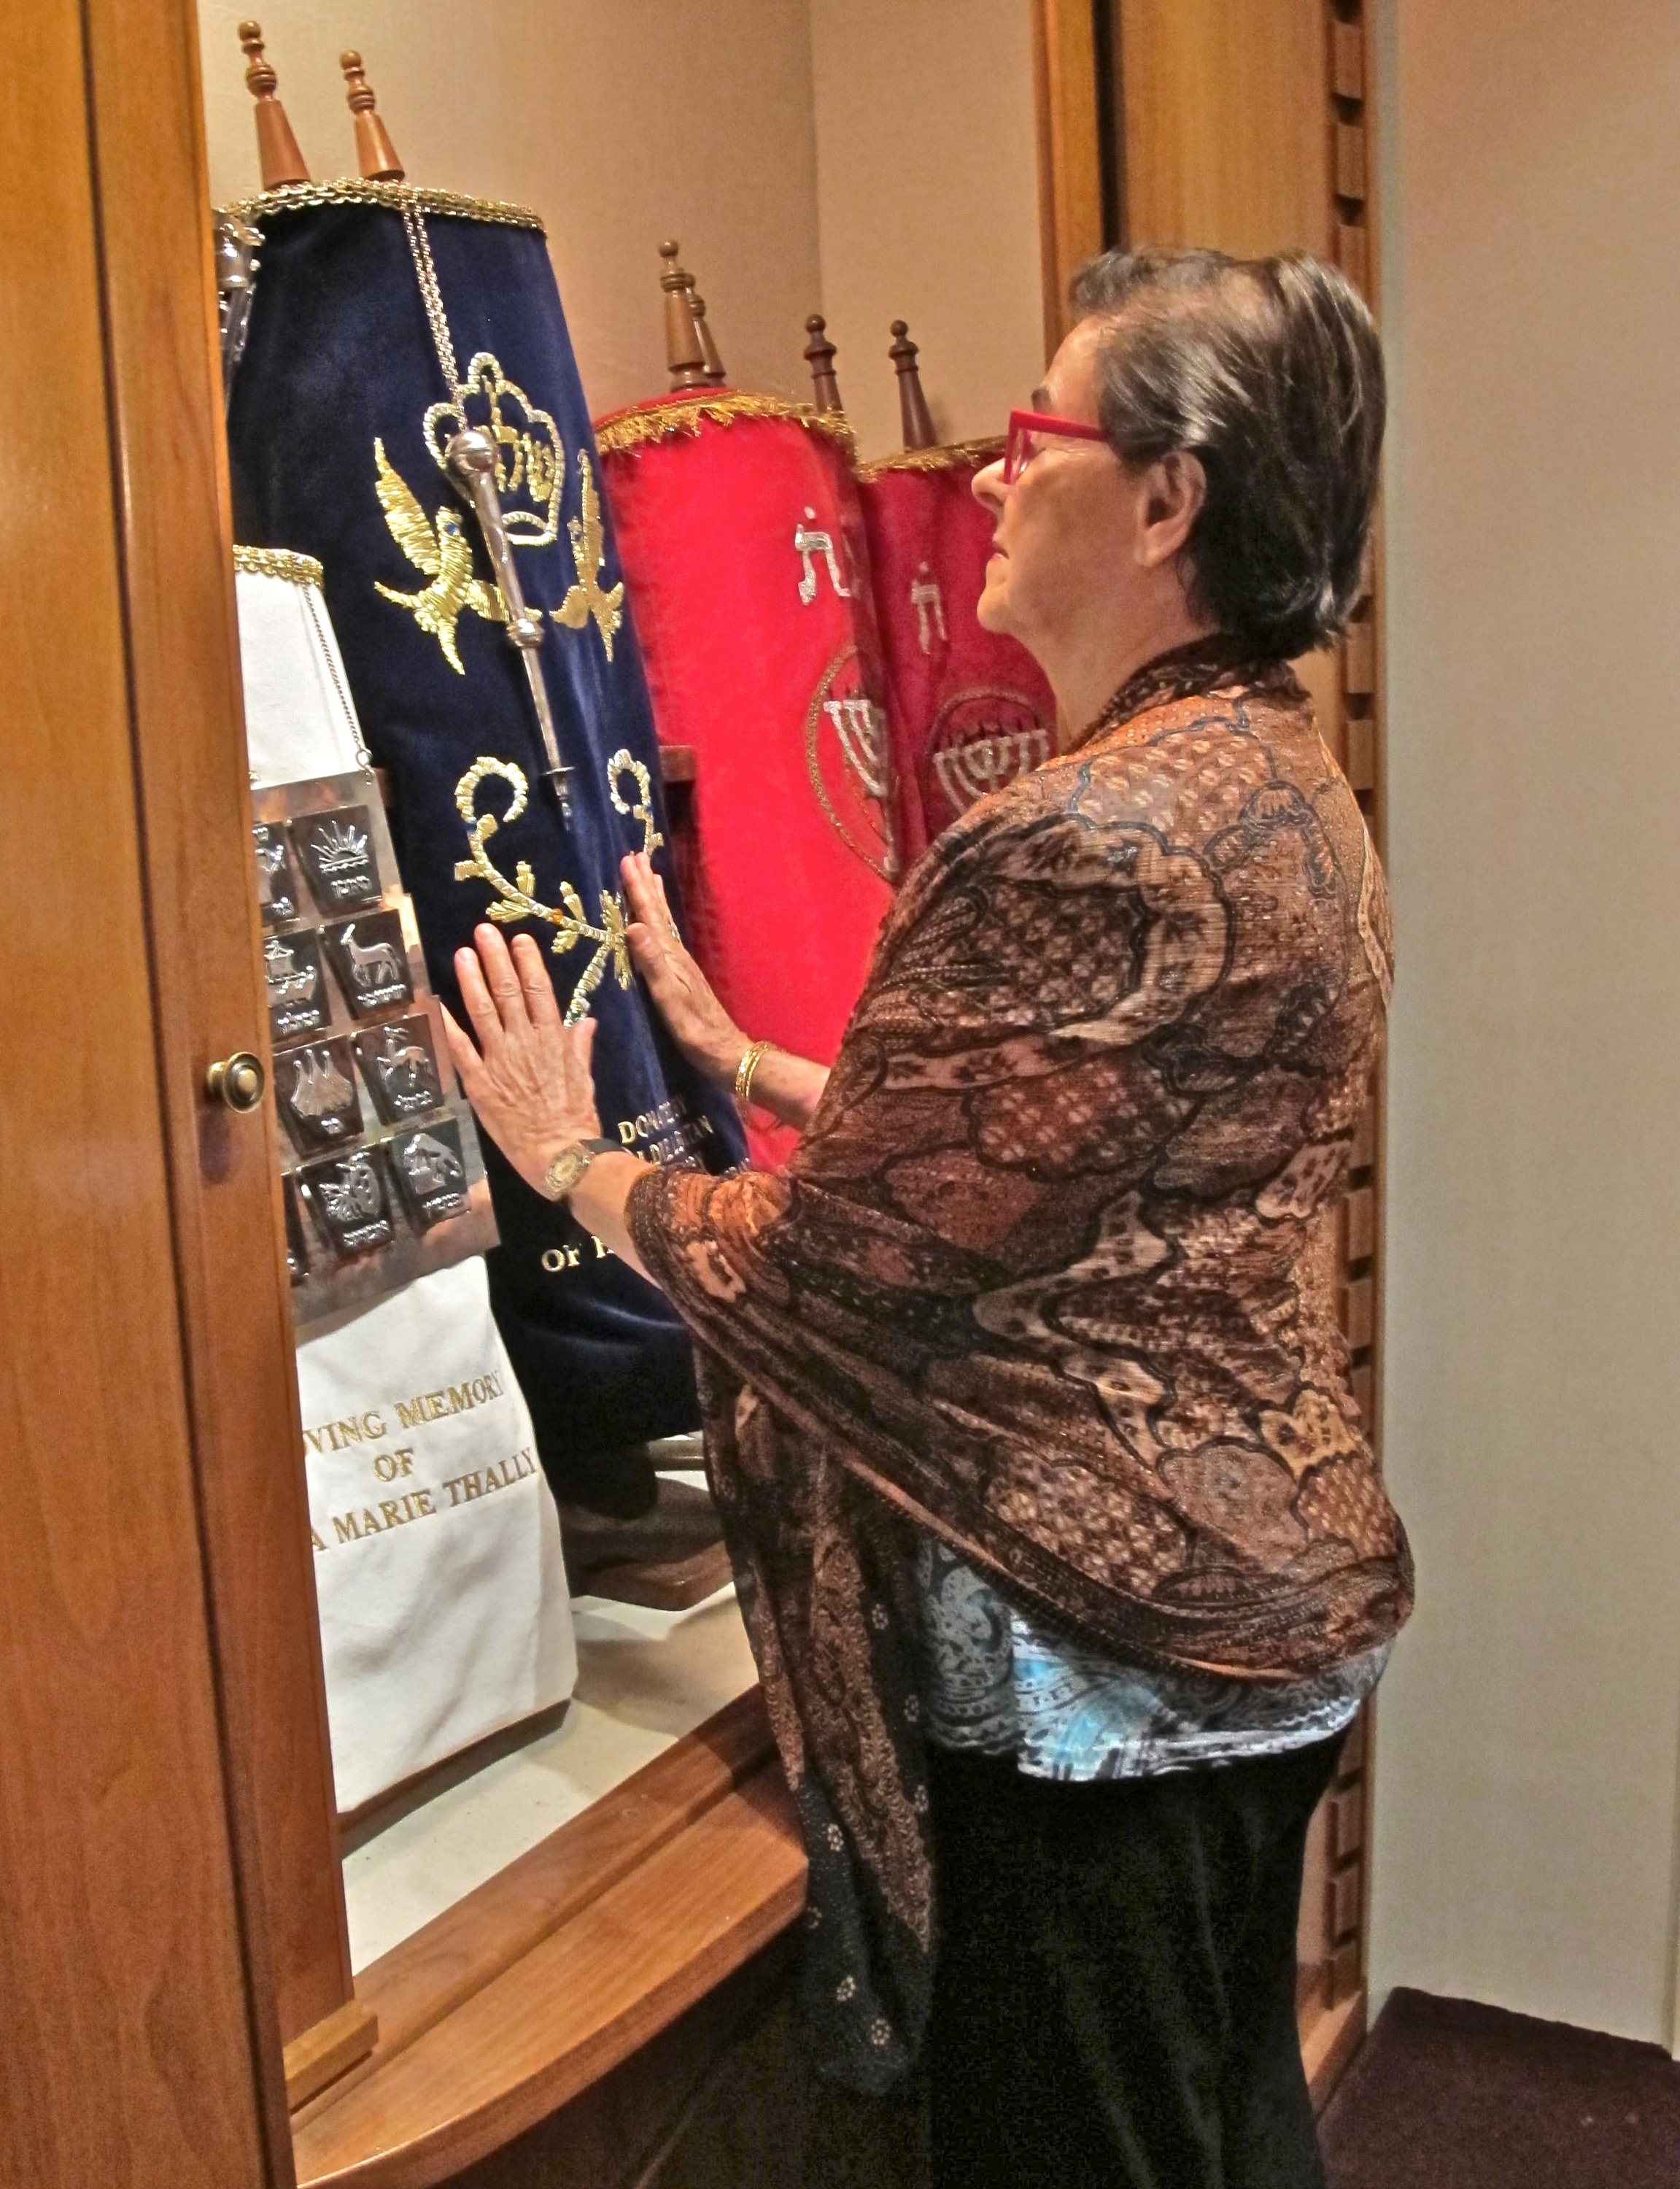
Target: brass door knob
239	1081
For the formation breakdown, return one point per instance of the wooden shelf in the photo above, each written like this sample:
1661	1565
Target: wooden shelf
678	764
531	1988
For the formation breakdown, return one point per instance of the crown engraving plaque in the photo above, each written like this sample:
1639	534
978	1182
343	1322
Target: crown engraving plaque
337	852
276	876
297	986
432	1171
349	1195
371	961
315	1092
401	1070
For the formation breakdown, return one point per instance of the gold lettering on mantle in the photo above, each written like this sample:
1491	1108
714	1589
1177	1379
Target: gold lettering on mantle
438	1406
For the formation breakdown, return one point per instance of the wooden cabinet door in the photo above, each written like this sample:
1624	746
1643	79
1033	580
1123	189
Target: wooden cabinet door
167	1855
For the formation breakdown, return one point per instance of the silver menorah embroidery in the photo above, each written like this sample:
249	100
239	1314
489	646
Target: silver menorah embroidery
861	729
985	763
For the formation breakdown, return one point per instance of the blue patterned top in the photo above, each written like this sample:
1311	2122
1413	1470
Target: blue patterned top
996	1684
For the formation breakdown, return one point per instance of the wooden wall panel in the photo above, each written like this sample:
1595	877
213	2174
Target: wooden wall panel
1226	114
129	2049
1074	217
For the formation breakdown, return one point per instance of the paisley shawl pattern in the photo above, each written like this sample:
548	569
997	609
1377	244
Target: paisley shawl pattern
1050	1275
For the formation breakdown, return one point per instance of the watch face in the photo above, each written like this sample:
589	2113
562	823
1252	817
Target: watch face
297	1255
432	1172
371	960
337	852
297	986
565	1171
315	1092
401	1068
276	875
350	1197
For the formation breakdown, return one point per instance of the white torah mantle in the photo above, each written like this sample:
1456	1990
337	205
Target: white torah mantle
444	1613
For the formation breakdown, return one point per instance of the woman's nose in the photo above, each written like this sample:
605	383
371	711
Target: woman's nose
988	487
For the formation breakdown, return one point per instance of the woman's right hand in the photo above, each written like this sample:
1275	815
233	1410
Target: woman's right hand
699	1025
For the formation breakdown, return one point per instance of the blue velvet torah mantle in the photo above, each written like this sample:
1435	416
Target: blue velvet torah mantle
339	414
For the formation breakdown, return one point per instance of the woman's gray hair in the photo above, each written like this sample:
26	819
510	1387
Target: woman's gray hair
1270	371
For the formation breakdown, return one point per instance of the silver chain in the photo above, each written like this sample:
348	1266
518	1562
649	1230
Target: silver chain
365	758
420	244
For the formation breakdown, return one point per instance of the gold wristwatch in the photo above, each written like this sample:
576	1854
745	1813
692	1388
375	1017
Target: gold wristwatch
563	1173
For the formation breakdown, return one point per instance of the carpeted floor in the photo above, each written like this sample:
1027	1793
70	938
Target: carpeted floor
1447	2095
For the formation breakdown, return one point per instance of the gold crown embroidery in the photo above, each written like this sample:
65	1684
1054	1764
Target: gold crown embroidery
530	455
587	597
444	554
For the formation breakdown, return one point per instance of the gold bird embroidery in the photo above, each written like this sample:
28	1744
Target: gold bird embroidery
589	552
444	556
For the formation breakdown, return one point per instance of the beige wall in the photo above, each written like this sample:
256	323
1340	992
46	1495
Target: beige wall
1530	1728
927	203
621	125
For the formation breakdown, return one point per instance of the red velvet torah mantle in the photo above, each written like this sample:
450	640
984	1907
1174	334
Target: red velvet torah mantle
967	711
743	550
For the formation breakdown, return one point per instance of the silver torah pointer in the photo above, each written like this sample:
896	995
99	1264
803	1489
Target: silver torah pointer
237	245
470	459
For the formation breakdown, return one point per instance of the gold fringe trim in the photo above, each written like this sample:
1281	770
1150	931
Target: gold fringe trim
280	562
977	453
630	430
450	205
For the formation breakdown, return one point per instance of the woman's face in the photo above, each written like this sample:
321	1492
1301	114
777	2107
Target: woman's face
1066	528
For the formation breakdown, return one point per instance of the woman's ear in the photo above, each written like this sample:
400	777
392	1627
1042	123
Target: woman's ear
1175	488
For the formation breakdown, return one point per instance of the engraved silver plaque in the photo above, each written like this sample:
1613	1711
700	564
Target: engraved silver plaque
399	1065
371	961
431	1171
276	875
350	1197
315	1092
297	986
337	851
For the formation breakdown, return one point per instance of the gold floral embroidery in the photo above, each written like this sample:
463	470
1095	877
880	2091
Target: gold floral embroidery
518	898
587	597
624	762
443	554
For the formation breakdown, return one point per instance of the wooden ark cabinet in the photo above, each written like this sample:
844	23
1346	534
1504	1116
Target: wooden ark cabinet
176	2000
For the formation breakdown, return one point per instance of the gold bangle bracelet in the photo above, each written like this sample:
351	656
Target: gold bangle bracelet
751	1058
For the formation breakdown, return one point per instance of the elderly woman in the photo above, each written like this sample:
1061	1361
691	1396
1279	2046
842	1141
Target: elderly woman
1058	1534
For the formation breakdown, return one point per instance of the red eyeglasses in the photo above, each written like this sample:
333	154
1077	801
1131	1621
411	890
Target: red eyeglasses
1030	431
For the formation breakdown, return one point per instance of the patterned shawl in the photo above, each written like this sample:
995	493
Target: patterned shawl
1051	1275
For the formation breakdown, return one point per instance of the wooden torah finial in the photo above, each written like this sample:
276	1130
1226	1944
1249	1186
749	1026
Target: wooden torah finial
913	412
820	356
684	355
709	348
278	157
375	154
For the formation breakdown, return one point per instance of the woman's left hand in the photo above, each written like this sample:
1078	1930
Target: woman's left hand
528	1076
